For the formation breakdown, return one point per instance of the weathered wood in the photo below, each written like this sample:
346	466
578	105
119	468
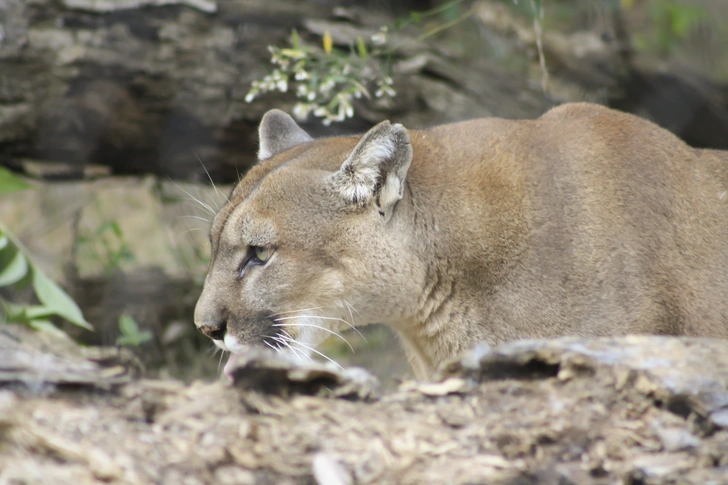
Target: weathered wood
638	409
36	360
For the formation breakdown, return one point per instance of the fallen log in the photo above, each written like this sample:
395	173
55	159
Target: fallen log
630	409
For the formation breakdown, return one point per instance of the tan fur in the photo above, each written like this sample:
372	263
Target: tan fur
586	221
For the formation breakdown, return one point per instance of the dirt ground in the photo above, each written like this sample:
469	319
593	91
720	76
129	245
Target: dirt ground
632	410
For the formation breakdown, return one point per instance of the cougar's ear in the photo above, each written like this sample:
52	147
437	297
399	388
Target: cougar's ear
376	168
278	132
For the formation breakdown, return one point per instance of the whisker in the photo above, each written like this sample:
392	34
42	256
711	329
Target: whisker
326	318
348	307
295	342
300	310
284	339
209	177
317	352
195	203
217	207
296	352
219	363
314	326
275	349
190	230
351	307
204	206
195	217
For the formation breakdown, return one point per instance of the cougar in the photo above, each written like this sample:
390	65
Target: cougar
585	221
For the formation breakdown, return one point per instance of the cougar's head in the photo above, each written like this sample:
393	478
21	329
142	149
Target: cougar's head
311	240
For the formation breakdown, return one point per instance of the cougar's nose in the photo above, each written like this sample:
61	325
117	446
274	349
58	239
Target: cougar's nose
210	315
215	331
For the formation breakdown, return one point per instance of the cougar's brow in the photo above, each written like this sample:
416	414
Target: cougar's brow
236	198
257	233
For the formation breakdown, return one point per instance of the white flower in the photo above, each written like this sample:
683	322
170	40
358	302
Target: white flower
379	38
326	86
301	111
384	86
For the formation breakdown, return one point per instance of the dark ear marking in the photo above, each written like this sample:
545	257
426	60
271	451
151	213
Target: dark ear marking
278	132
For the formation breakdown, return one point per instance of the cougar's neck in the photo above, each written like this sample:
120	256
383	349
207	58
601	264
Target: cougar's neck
467	210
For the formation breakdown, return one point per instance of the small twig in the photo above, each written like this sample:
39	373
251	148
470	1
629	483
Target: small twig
538	28
446	25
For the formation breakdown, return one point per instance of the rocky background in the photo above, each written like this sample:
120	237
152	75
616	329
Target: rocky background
152	86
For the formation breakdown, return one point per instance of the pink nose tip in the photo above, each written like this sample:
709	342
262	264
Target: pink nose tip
215	332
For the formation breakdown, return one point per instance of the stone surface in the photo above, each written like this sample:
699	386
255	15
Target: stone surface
161	223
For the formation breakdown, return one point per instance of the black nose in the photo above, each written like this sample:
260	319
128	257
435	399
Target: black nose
215	331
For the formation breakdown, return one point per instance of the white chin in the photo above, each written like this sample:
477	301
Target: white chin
221	344
230	344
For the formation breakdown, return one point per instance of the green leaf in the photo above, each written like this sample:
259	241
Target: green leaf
3	240
295	39
362	48
14	270
112	226
15	312
293	53
35	312
127	325
9	182
55	299
117	229
361	88
130	333
47	326
684	18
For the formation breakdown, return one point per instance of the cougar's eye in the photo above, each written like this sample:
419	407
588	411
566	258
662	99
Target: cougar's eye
262	253
257	256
